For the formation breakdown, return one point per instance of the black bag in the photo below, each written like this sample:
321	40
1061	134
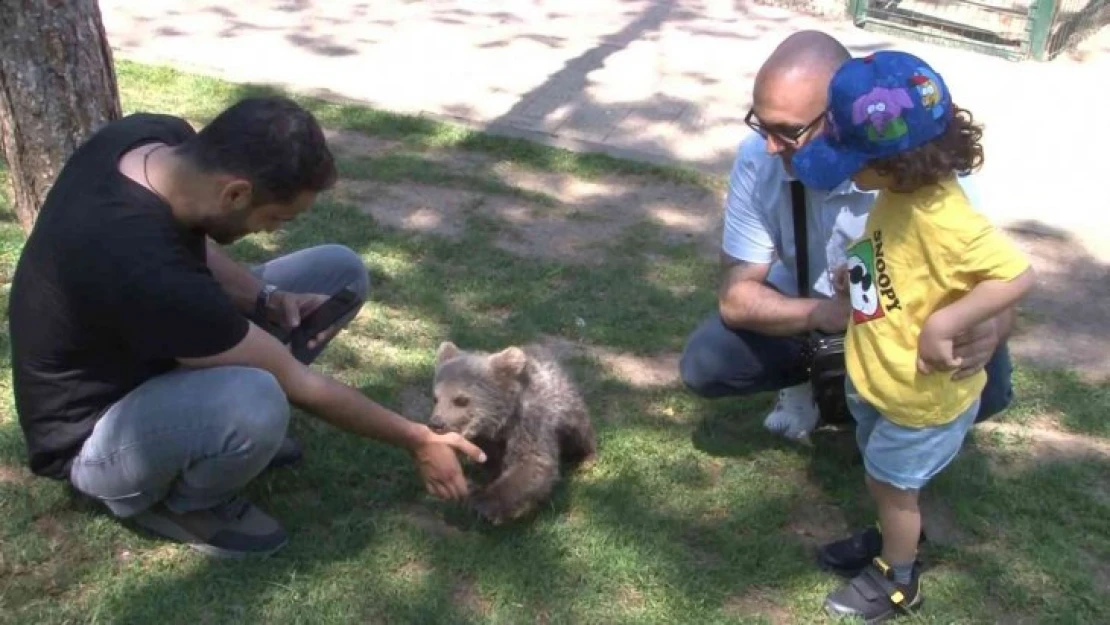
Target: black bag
823	353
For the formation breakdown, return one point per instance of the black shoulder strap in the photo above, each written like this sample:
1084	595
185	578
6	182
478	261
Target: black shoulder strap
798	199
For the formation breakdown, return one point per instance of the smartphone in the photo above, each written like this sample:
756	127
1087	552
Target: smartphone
325	315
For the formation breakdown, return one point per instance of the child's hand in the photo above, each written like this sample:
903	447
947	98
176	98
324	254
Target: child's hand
934	347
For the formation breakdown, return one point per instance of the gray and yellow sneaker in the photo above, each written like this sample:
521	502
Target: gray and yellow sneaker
874	596
236	529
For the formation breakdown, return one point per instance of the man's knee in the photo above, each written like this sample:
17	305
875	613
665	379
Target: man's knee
349	266
238	413
701	365
692	368
261	410
718	361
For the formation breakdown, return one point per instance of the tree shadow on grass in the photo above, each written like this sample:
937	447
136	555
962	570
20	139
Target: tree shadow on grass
1031	536
459	285
361	527
358	519
651	522
1014	538
1064	319
172	93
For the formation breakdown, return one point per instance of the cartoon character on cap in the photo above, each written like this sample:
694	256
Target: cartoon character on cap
929	90
882	109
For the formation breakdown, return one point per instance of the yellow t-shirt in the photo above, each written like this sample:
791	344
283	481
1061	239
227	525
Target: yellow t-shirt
919	252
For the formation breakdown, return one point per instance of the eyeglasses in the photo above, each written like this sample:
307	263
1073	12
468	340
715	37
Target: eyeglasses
787	134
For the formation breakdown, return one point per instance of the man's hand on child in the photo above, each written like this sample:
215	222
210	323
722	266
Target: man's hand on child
831	315
975	347
935	346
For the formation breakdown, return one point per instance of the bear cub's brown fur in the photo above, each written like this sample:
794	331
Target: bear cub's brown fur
526	414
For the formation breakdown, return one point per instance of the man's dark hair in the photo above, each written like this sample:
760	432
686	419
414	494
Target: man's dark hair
271	141
957	151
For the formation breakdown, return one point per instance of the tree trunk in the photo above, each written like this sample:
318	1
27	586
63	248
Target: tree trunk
57	86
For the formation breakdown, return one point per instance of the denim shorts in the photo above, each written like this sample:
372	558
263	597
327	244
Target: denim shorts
905	457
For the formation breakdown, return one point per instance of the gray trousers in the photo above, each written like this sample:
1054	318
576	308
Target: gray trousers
195	437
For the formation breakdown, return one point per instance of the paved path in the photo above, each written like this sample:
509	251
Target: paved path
662	80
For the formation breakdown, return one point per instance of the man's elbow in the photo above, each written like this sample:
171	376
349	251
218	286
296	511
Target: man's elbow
303	386
734	314
739	286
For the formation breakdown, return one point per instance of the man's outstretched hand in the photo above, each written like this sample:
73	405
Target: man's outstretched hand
439	466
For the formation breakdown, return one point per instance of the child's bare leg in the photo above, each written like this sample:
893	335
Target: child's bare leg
900	519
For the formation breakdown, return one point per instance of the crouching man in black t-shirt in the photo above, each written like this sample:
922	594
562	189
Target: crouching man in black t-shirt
139	375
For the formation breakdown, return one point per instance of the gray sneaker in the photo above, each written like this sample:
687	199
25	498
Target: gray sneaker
288	454
236	529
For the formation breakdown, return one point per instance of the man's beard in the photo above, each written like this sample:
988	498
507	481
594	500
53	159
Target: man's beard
228	229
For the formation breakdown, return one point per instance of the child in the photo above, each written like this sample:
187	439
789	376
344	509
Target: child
927	268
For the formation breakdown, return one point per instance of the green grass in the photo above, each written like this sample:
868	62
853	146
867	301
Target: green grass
406	167
693	513
1076	405
201	98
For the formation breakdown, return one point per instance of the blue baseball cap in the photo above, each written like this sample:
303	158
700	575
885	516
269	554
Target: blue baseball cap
879	105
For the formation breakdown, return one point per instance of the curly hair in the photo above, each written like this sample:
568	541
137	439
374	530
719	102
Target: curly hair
957	151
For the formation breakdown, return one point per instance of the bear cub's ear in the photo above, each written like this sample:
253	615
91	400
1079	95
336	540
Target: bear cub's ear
509	361
447	350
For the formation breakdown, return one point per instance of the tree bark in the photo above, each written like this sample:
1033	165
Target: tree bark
57	86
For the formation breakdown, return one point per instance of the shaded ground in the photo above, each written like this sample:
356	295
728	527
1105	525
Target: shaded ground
1063	325
1066	322
547	215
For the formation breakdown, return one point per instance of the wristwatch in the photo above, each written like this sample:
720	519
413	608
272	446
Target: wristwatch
263	300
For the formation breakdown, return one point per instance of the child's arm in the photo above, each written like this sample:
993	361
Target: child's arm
987	299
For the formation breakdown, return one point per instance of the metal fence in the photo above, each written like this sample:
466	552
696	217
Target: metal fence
1015	29
823	8
1072	23
992	26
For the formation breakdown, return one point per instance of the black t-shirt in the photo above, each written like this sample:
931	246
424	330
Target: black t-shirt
108	291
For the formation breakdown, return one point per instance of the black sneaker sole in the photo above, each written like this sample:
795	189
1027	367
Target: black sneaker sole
913	607
289	454
160	526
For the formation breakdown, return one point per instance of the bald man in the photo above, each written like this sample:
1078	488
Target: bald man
753	343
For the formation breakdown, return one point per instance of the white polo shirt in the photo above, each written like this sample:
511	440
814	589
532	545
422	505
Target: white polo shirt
759	225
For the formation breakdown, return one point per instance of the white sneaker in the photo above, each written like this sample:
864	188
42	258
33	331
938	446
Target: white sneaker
795	415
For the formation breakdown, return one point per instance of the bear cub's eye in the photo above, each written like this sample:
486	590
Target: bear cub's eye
461	401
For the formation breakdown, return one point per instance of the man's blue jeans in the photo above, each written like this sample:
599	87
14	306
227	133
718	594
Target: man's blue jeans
718	361
195	437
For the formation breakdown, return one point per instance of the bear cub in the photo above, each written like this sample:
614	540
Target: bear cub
523	410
